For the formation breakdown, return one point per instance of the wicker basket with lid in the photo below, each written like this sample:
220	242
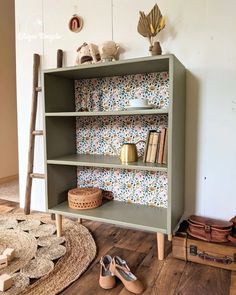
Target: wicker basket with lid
84	198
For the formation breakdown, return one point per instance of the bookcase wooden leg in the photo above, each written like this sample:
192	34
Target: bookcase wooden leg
53	217
80	220
59	224
160	245
170	237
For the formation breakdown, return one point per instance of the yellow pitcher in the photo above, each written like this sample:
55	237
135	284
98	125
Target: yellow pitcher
128	152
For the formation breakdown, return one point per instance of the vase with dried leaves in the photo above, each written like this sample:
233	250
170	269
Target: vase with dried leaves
149	26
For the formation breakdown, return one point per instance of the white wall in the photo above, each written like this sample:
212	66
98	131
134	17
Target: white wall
28	26
199	33
8	128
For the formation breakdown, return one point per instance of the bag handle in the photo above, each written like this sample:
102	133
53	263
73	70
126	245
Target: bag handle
222	260
232	239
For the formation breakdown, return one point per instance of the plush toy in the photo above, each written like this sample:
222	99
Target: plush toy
108	50
93	48
87	54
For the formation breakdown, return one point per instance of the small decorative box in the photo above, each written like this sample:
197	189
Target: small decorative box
84	198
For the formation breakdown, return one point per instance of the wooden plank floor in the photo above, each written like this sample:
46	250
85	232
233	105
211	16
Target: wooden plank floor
167	277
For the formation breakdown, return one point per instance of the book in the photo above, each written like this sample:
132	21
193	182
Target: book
154	147
165	148
158	146
149	147
146	147
161	148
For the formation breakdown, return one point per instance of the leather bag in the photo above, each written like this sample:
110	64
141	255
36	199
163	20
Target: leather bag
232	237
188	248
211	230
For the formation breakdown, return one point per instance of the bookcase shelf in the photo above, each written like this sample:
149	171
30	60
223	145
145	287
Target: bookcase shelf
69	144
121	213
105	161
113	113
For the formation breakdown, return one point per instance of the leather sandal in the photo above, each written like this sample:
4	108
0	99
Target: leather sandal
106	279
120	269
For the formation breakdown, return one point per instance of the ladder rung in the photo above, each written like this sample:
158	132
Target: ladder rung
37	132
38	89
37	175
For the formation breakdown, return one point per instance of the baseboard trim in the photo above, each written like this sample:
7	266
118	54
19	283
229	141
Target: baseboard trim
8	178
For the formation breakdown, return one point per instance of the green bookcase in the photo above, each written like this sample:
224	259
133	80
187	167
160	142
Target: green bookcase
60	145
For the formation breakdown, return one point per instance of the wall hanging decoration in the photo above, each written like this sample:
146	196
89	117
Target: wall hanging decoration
149	26
76	23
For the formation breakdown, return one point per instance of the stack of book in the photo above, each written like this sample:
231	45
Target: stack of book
156	146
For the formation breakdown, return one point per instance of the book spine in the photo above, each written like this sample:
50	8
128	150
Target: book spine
158	146
165	148
149	147
146	147
154	148
161	149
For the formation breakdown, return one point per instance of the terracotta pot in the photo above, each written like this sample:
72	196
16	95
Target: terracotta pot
155	49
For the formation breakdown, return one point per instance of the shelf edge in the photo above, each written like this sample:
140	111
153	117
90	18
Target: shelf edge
108	113
101	165
110	221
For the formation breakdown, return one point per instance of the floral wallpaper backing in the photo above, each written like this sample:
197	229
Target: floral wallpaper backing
114	93
133	186
94	135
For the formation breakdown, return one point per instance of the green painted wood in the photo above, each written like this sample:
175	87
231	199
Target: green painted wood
59	180
104	161
61	147
149	64
59	94
60	136
108	113
120	213
176	144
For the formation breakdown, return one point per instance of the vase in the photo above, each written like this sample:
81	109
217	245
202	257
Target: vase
155	49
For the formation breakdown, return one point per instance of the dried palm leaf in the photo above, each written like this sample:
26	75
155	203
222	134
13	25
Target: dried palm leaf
162	24
143	25
150	25
154	17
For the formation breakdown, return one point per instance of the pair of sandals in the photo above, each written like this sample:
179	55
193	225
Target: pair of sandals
111	267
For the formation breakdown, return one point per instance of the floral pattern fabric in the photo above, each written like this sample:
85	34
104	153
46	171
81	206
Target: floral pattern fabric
114	93
133	186
94	135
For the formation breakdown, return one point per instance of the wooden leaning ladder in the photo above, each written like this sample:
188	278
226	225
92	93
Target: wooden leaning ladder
35	90
30	174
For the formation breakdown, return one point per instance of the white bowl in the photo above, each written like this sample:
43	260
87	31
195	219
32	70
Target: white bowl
138	102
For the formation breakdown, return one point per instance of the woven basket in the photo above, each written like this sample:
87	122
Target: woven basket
84	198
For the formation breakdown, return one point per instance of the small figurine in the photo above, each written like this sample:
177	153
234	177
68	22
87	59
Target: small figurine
108	51
3	261
9	253
6	282
93	48
88	54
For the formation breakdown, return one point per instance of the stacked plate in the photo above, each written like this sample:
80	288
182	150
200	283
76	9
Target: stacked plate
130	108
138	104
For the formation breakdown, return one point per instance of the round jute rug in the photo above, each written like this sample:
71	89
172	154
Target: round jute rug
29	239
